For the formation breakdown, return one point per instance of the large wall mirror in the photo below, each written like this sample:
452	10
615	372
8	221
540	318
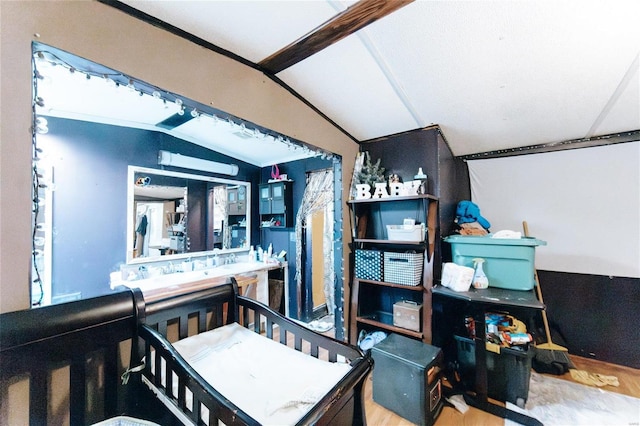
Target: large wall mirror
174	215
98	138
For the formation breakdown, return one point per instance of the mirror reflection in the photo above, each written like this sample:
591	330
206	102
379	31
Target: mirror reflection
97	132
173	213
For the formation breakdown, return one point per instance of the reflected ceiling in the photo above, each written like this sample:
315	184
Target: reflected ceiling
96	99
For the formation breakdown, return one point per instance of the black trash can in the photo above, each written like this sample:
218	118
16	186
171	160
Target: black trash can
508	372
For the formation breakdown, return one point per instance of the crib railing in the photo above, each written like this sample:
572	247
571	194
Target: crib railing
62	363
191	396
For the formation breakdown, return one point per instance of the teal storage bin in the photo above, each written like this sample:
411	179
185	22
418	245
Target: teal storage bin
508	263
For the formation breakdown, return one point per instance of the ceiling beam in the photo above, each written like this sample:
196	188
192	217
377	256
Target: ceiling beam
340	26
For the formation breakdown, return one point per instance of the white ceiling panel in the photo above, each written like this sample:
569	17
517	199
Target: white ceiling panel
250	29
624	108
346	83
508	74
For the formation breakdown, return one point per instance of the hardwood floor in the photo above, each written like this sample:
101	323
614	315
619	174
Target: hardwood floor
377	415
629	379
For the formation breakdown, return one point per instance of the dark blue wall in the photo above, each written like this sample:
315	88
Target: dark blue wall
90	199
284	239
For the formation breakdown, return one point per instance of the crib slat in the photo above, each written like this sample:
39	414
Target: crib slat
168	374
38	387
162	327
111	380
298	343
202	320
245	317
314	350
218	315
182	394
183	326
269	330
196	410
77	390
157	374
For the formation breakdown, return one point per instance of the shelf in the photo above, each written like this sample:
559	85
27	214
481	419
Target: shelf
394	242
388	199
384	320
386	284
371	299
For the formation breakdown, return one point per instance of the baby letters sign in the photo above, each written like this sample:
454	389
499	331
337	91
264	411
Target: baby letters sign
396	189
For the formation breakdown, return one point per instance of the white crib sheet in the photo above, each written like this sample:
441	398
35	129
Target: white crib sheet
274	384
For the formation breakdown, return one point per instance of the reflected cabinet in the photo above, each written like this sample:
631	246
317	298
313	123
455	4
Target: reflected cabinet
393	255
276	204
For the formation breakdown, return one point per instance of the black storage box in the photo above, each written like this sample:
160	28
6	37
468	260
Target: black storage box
508	373
406	378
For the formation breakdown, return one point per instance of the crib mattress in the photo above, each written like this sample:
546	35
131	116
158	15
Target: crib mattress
271	382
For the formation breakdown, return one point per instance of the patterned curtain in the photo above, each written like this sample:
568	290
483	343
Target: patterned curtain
318	194
329	273
220	200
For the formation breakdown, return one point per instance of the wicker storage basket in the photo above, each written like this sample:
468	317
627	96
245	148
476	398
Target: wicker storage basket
403	268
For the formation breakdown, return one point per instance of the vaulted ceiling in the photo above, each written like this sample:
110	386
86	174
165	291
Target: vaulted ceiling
493	74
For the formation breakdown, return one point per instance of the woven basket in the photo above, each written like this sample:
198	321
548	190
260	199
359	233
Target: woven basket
403	268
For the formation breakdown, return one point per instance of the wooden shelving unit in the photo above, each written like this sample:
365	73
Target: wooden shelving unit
372	301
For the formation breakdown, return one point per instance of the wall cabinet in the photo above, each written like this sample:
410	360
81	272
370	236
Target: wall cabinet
276	204
372	300
237	208
237	200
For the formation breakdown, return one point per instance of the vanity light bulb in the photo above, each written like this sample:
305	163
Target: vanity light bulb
42	125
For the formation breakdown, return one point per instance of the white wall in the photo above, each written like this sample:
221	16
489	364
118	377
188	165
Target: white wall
585	203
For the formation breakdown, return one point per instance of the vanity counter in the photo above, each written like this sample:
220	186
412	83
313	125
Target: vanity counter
248	275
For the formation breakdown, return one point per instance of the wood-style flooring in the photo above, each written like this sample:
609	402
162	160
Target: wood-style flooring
377	415
629	379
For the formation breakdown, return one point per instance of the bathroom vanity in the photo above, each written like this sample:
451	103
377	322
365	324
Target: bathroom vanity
252	278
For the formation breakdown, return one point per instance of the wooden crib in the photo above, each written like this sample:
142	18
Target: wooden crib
192	399
62	364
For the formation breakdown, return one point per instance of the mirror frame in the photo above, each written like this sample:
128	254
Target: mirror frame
132	170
